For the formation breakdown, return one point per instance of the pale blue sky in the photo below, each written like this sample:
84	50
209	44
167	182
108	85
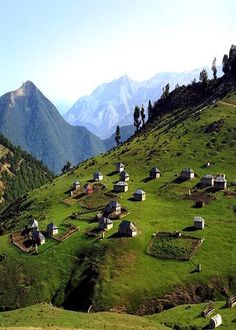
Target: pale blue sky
68	47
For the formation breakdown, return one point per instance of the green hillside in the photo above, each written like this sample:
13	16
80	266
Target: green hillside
48	317
116	273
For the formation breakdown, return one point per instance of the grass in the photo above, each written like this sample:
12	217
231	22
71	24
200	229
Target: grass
48	317
128	277
170	247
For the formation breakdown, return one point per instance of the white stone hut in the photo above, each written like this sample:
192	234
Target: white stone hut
105	223
121	186
124	176
198	222
38	238
52	229
76	185
97	176
120	167
33	225
113	206
155	173
207	180
127	228
215	321
187	174
139	195
220	182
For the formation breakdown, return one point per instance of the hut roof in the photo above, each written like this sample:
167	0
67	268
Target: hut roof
219	179
188	170
38	235
33	223
208	176
140	192
123	173
155	170
51	226
198	219
121	183
126	224
105	221
119	164
113	204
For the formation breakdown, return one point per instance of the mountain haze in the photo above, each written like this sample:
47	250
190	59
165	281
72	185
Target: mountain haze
29	119
113	103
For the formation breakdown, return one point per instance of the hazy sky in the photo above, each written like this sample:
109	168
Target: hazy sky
69	47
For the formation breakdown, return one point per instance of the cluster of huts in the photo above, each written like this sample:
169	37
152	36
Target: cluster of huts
217	181
126	227
37	236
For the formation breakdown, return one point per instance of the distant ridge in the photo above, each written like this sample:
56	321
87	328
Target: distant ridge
113	103
29	119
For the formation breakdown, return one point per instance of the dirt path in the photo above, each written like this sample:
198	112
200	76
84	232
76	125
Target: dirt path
227	103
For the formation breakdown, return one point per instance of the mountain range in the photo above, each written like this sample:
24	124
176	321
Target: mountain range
29	119
112	103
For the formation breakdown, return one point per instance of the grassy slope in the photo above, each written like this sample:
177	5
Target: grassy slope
128	275
190	315
46	316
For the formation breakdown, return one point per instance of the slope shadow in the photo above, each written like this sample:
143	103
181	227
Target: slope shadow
179	180
115	235
112	173
147	179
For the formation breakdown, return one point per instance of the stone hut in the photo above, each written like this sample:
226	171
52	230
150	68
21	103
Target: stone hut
207	180
76	185
52	229
215	321
88	188
120	167
198	222
124	176
139	195
127	228
113	206
154	173
38	238
105	223
33	225
187	174
220	182
120	186
97	176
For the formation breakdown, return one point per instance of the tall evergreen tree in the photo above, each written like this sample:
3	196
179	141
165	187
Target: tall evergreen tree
137	120
214	69
203	77
150	109
225	64
142	112
117	137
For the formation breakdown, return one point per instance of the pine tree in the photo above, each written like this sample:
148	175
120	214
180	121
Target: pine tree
117	137
137	120
213	68
142	115
150	109
203	77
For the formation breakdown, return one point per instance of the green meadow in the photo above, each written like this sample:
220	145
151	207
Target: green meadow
130	280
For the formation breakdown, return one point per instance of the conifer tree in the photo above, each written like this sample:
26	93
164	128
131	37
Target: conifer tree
137	120
213	68
117	137
142	115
